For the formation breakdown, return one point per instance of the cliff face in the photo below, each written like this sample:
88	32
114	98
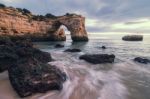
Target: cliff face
17	24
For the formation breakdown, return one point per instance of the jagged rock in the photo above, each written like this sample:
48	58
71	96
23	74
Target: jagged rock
25	49
7	57
11	52
133	38
72	50
142	60
29	76
33	52
98	58
27	67
59	46
38	27
5	41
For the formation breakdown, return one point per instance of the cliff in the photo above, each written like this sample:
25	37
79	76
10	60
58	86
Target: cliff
20	23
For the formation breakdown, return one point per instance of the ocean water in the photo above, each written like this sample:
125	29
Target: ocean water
124	79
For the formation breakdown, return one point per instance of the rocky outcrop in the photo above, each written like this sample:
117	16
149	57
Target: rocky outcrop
72	50
27	67
30	76
59	46
11	52
142	60
133	38
98	58
21	23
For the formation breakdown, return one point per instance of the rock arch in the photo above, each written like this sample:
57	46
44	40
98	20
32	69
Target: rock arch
41	28
76	25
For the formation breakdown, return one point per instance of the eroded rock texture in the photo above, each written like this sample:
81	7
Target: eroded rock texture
27	67
98	58
19	23
30	76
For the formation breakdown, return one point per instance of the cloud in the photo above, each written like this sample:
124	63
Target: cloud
101	15
140	21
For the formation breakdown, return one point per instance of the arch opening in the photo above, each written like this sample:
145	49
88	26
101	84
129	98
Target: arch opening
67	33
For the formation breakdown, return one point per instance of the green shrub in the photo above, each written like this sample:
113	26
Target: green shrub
48	15
26	11
2	5
19	9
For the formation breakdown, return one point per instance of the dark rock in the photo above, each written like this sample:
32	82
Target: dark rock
133	38
10	52
29	76
59	46
28	70
33	52
5	41
7	57
25	49
142	60
98	58
103	47
23	43
72	50
80	39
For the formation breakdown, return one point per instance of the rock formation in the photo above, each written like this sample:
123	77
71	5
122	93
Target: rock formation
20	23
142	60
98	58
133	38
27	67
72	50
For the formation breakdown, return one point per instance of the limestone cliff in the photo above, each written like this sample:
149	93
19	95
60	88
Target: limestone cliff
20	23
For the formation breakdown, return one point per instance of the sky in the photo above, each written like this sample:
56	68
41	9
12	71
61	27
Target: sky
119	16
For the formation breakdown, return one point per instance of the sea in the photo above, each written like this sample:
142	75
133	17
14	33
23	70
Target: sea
123	79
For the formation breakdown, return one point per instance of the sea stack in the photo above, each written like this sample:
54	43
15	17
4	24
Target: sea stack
133	38
20	23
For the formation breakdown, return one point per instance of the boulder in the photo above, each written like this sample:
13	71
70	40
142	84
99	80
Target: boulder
27	67
72	50
103	47
7	57
29	76
33	52
142	60
59	46
11	52
98	58
133	38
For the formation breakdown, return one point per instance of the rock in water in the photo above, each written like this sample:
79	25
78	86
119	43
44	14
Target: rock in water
103	47
98	58
59	46
133	38
72	50
29	76
142	60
